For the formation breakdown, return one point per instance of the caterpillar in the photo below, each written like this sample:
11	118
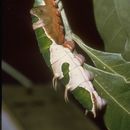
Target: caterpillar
59	56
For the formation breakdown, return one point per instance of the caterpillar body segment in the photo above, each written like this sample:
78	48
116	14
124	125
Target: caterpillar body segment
75	76
49	14
59	56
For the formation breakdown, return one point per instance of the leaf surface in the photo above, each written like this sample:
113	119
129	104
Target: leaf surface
117	95
112	81
113	23
110	62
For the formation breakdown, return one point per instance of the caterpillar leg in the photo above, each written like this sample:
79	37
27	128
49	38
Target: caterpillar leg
54	81
86	112
67	88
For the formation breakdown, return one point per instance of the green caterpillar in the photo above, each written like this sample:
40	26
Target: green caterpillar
59	56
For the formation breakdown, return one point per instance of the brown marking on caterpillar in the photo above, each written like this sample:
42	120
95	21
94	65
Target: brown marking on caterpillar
69	44
51	18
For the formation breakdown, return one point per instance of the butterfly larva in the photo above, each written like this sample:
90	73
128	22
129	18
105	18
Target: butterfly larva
59	56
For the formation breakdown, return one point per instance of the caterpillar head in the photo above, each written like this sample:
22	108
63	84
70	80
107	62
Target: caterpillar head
50	16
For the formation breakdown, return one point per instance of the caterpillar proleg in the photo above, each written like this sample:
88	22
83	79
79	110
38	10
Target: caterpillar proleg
58	54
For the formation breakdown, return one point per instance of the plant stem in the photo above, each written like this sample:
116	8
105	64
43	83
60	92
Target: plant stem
23	80
67	27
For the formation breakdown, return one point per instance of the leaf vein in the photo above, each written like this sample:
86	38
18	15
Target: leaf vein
112	98
107	18
119	30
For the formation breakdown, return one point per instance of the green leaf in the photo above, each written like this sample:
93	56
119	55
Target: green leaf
117	94
113	23
112	80
110	62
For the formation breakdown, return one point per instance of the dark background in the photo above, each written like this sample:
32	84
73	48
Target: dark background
19	47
